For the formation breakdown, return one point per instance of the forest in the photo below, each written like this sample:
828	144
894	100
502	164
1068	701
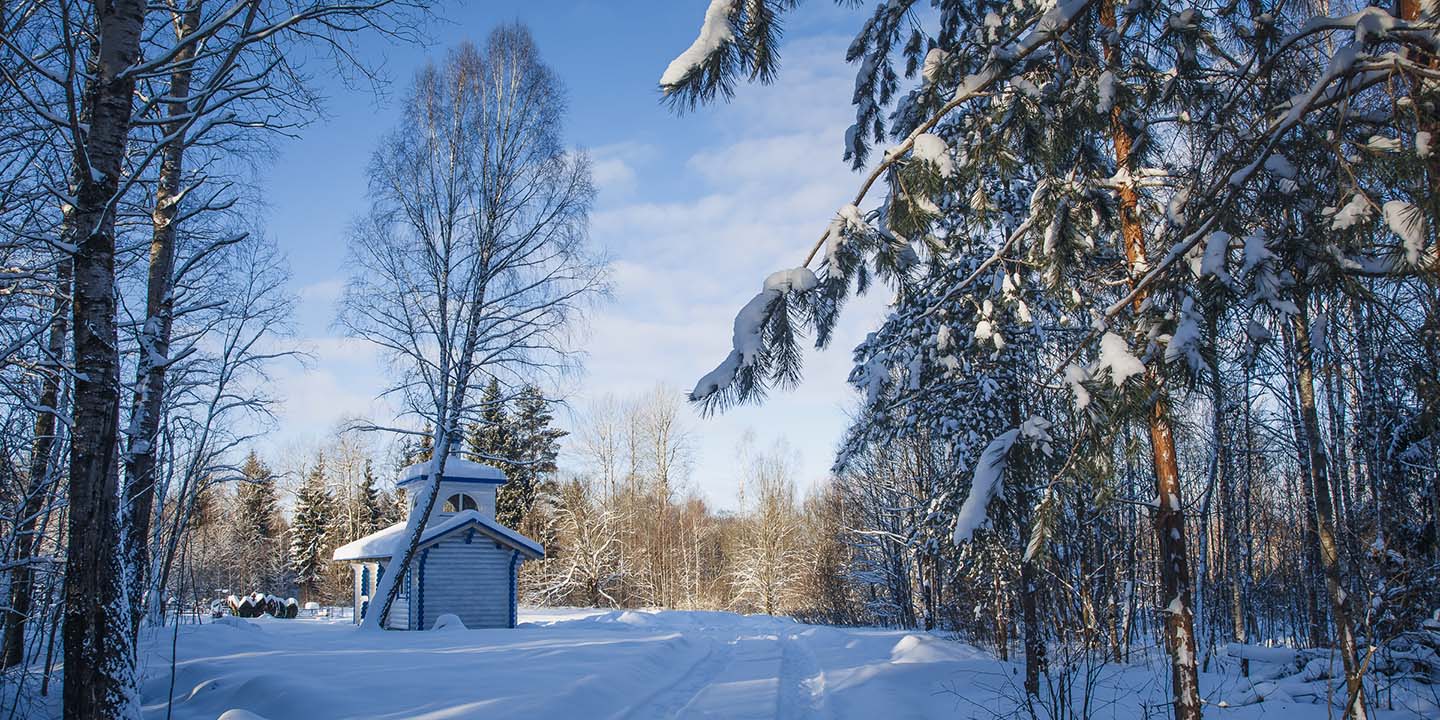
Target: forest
1157	378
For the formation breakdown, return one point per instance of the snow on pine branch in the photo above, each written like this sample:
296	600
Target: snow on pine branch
849	220
715	33
1407	222
986	483
749	352
1116	357
737	39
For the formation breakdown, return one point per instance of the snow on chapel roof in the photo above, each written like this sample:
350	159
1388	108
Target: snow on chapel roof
387	542
457	469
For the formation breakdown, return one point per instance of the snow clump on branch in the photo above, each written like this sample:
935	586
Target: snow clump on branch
747	339
714	32
986	483
932	149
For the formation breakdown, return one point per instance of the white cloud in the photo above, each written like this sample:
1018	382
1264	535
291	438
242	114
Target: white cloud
613	167
340	381
612	175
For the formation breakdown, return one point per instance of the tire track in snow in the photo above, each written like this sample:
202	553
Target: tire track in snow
671	699
802	682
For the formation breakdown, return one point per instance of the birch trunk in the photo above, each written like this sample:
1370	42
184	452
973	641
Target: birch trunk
1314	612
145	407
99	662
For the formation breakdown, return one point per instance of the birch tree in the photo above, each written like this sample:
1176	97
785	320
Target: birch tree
472	261
769	563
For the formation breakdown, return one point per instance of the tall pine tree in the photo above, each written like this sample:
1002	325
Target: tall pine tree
313	509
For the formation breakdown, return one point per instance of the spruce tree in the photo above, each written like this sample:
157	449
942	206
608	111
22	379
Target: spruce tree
256	528
308	536
490	440
534	447
422	450
256	499
370	513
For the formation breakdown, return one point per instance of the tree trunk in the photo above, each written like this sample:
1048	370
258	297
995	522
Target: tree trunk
1169	518
1001	617
1035	662
145	407
99	662
1247	569
1174	566
1314	612
1231	531
1325	516
447	436
42	463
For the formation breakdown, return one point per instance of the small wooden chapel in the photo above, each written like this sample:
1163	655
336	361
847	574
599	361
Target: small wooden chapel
466	564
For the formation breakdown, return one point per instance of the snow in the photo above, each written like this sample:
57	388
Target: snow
934	63
239	715
984	486
1115	356
714	32
1217	249
387	542
1106	89
567	662
933	149
1185	342
1184	20
1176	606
1036	431
1404	220
449	622
1280	166
455	467
1076	377
1382	144
942	338
1353	213
1257	251
746	337
745	341
1274	655
794	280
1423	144
1371	24
849	219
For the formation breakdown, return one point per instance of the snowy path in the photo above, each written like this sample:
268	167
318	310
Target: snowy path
592	664
744	677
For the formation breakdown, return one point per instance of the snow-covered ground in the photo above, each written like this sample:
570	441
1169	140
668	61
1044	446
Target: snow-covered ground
614	664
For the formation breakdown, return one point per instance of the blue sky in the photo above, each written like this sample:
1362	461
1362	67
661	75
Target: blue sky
694	210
